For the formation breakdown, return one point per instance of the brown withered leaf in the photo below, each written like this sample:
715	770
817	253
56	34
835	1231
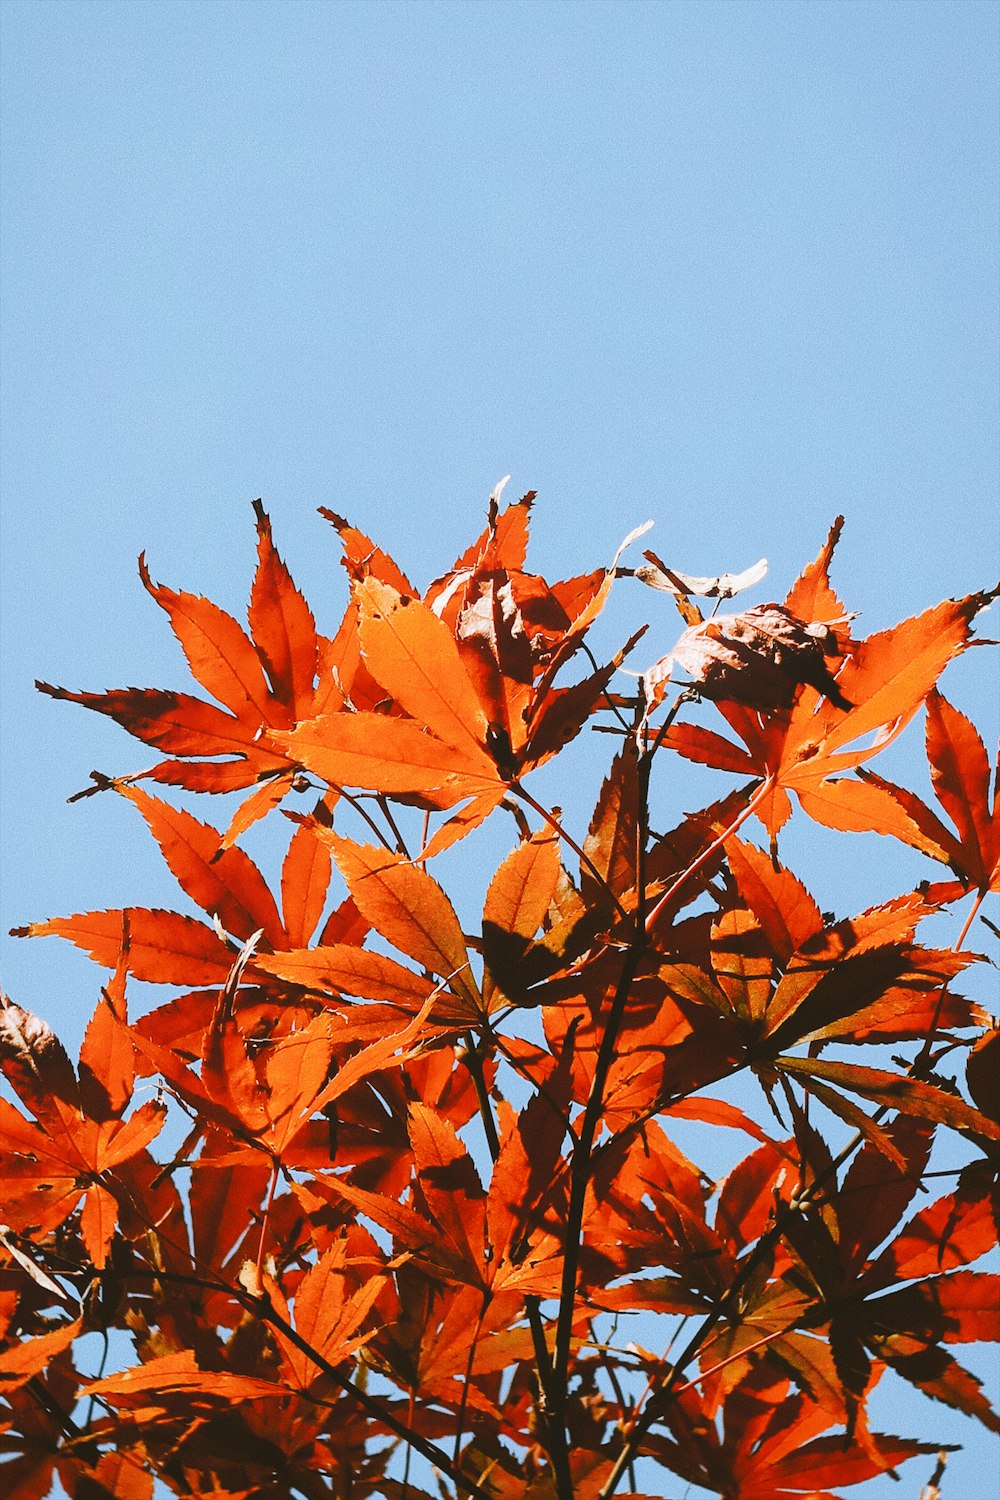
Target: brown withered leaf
758	658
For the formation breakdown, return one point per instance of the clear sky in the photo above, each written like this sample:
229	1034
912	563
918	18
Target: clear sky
730	266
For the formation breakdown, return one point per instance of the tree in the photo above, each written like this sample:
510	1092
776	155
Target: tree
400	1189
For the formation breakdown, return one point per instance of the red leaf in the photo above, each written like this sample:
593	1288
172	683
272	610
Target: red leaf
282	626
305	880
782	905
219	652
166	948
451	1187
908	1095
960	772
407	906
225	883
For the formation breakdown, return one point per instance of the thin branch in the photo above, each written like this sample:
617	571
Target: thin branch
473	1059
925	1051
568	839
713	848
362	812
383	803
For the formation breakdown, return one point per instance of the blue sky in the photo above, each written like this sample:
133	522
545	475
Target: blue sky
728	266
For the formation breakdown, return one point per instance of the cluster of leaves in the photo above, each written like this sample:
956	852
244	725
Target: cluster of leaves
422	1184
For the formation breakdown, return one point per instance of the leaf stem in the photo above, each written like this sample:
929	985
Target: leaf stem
928	1043
959	941
362	812
474	1063
706	854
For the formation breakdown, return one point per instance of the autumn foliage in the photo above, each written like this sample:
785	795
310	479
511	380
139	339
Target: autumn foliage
379	1188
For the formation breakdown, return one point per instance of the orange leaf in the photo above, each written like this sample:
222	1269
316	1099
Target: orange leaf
97	1223
305	880
407	906
326	1316
716	1112
297	1069
451	1186
171	1373
520	892
225	883
218	651
166	948
960	772
282	626
382	1053
874	805
385	755
811	597
122	1476
36	1064
779	901
413	655
891	673
267	795
107	1060
120	1139
28	1357
463	822
342	968
744	968
363	559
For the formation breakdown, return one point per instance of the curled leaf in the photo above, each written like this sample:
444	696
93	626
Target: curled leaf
758	658
657	575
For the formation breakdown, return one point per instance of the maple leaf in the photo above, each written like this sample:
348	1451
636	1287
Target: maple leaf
447	1226
960	774
27	1357
116	1476
803	747
469	674
265	1096
65	1155
32	1434
408	907
851	982
896	1091
773	1445
518	901
166	947
156	1382
279	674
904	1326
328	1314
